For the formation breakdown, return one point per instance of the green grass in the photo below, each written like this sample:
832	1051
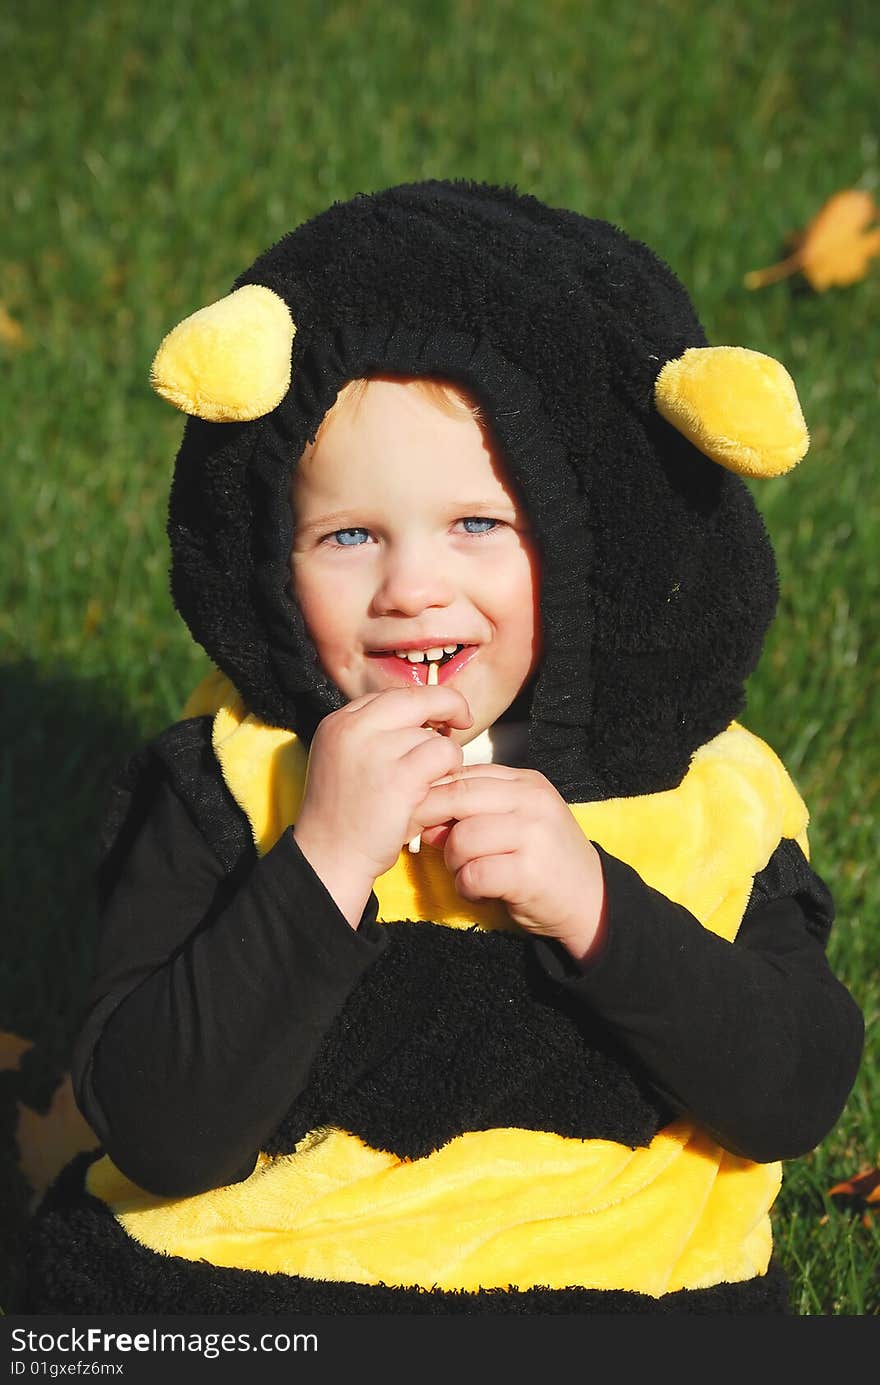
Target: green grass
151	152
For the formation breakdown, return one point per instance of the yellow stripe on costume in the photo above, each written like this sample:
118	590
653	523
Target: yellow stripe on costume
491	1209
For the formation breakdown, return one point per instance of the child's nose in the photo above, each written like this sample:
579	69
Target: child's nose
412	580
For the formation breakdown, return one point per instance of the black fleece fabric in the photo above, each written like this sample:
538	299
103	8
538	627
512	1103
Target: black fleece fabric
233	1008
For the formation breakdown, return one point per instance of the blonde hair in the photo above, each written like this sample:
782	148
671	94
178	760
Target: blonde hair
450	398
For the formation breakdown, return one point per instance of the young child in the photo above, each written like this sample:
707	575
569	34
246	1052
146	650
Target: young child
460	952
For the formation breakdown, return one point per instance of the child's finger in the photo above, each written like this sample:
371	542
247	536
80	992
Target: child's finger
458	796
394	707
433	757
488	771
490	834
486	877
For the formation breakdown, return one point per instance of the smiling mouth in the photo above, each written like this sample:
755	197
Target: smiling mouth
437	654
436	663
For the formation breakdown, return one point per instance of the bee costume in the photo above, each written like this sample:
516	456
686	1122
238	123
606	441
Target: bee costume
436	1112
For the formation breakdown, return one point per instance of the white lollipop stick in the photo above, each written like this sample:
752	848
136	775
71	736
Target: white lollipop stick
415	843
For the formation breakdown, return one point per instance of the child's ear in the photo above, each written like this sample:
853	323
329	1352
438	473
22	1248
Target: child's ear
229	362
737	406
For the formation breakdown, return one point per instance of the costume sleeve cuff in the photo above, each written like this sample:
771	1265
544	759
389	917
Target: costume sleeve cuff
630	912
289	875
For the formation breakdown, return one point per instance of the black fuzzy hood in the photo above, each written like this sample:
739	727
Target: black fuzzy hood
658	580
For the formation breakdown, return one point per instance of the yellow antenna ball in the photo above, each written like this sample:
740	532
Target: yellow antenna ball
737	406
229	362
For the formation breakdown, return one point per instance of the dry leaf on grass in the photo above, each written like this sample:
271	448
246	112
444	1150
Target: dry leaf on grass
12	1050
834	249
864	1185
862	1190
46	1143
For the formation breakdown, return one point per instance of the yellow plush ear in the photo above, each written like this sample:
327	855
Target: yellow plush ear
229	362
738	406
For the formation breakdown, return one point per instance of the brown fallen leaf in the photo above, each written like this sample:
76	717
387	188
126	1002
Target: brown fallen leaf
834	249
865	1186
46	1143
12	1050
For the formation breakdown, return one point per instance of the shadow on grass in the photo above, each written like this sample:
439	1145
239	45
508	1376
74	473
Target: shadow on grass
64	739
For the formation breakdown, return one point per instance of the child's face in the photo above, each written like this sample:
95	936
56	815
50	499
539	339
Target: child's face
408	536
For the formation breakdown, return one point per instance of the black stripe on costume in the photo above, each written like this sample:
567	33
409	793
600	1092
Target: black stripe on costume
474	1036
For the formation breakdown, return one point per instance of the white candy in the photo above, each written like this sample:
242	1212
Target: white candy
415	843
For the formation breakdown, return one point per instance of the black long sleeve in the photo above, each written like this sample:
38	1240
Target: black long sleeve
757	1039
211	998
214	991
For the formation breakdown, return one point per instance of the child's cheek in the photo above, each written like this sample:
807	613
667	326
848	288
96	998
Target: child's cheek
317	604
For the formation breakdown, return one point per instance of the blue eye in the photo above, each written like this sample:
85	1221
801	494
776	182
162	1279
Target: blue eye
474	519
350	538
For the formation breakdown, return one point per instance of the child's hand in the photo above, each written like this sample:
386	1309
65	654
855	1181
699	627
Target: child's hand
370	765
507	834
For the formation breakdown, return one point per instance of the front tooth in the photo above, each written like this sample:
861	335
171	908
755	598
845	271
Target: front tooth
434	653
415	656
